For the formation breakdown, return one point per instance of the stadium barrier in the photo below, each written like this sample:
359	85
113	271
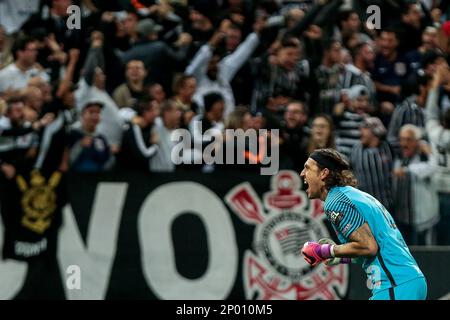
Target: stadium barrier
185	236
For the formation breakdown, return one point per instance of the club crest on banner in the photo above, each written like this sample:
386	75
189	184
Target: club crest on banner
284	221
38	201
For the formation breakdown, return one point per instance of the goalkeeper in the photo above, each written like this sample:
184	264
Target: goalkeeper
364	227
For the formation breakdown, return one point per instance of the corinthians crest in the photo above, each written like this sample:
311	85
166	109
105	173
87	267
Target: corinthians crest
275	268
38	200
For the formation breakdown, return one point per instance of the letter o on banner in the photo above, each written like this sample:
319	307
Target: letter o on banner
157	214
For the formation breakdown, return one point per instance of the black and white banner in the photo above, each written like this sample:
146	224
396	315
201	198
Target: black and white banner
184	236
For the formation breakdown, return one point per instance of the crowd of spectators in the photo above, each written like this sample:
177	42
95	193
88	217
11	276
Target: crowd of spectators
110	94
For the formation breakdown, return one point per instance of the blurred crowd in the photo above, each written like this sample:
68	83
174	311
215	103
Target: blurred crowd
110	94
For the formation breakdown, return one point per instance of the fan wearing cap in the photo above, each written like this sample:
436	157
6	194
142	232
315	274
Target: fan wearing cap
372	161
349	117
159	58
89	151
365	228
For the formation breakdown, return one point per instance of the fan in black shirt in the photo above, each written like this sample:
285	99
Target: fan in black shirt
139	143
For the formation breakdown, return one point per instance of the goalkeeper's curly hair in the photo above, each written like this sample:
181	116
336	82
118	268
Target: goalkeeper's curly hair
338	178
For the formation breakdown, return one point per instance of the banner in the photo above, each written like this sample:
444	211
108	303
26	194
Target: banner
184	236
31	212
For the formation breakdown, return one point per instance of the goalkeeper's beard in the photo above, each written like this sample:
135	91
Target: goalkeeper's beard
321	193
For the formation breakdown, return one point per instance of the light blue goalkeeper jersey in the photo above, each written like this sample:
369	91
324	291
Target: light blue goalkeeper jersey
347	209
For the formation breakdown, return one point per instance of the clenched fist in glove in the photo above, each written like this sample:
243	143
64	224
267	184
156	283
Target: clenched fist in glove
322	251
314	253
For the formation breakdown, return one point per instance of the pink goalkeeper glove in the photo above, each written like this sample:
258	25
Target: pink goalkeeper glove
315	253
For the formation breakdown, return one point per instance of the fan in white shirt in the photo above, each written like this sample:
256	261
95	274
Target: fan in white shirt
16	75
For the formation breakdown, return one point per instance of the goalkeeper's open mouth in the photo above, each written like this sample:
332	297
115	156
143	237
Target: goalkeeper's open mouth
311	188
307	187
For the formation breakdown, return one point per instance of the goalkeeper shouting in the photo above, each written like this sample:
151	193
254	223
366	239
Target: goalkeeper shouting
364	227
